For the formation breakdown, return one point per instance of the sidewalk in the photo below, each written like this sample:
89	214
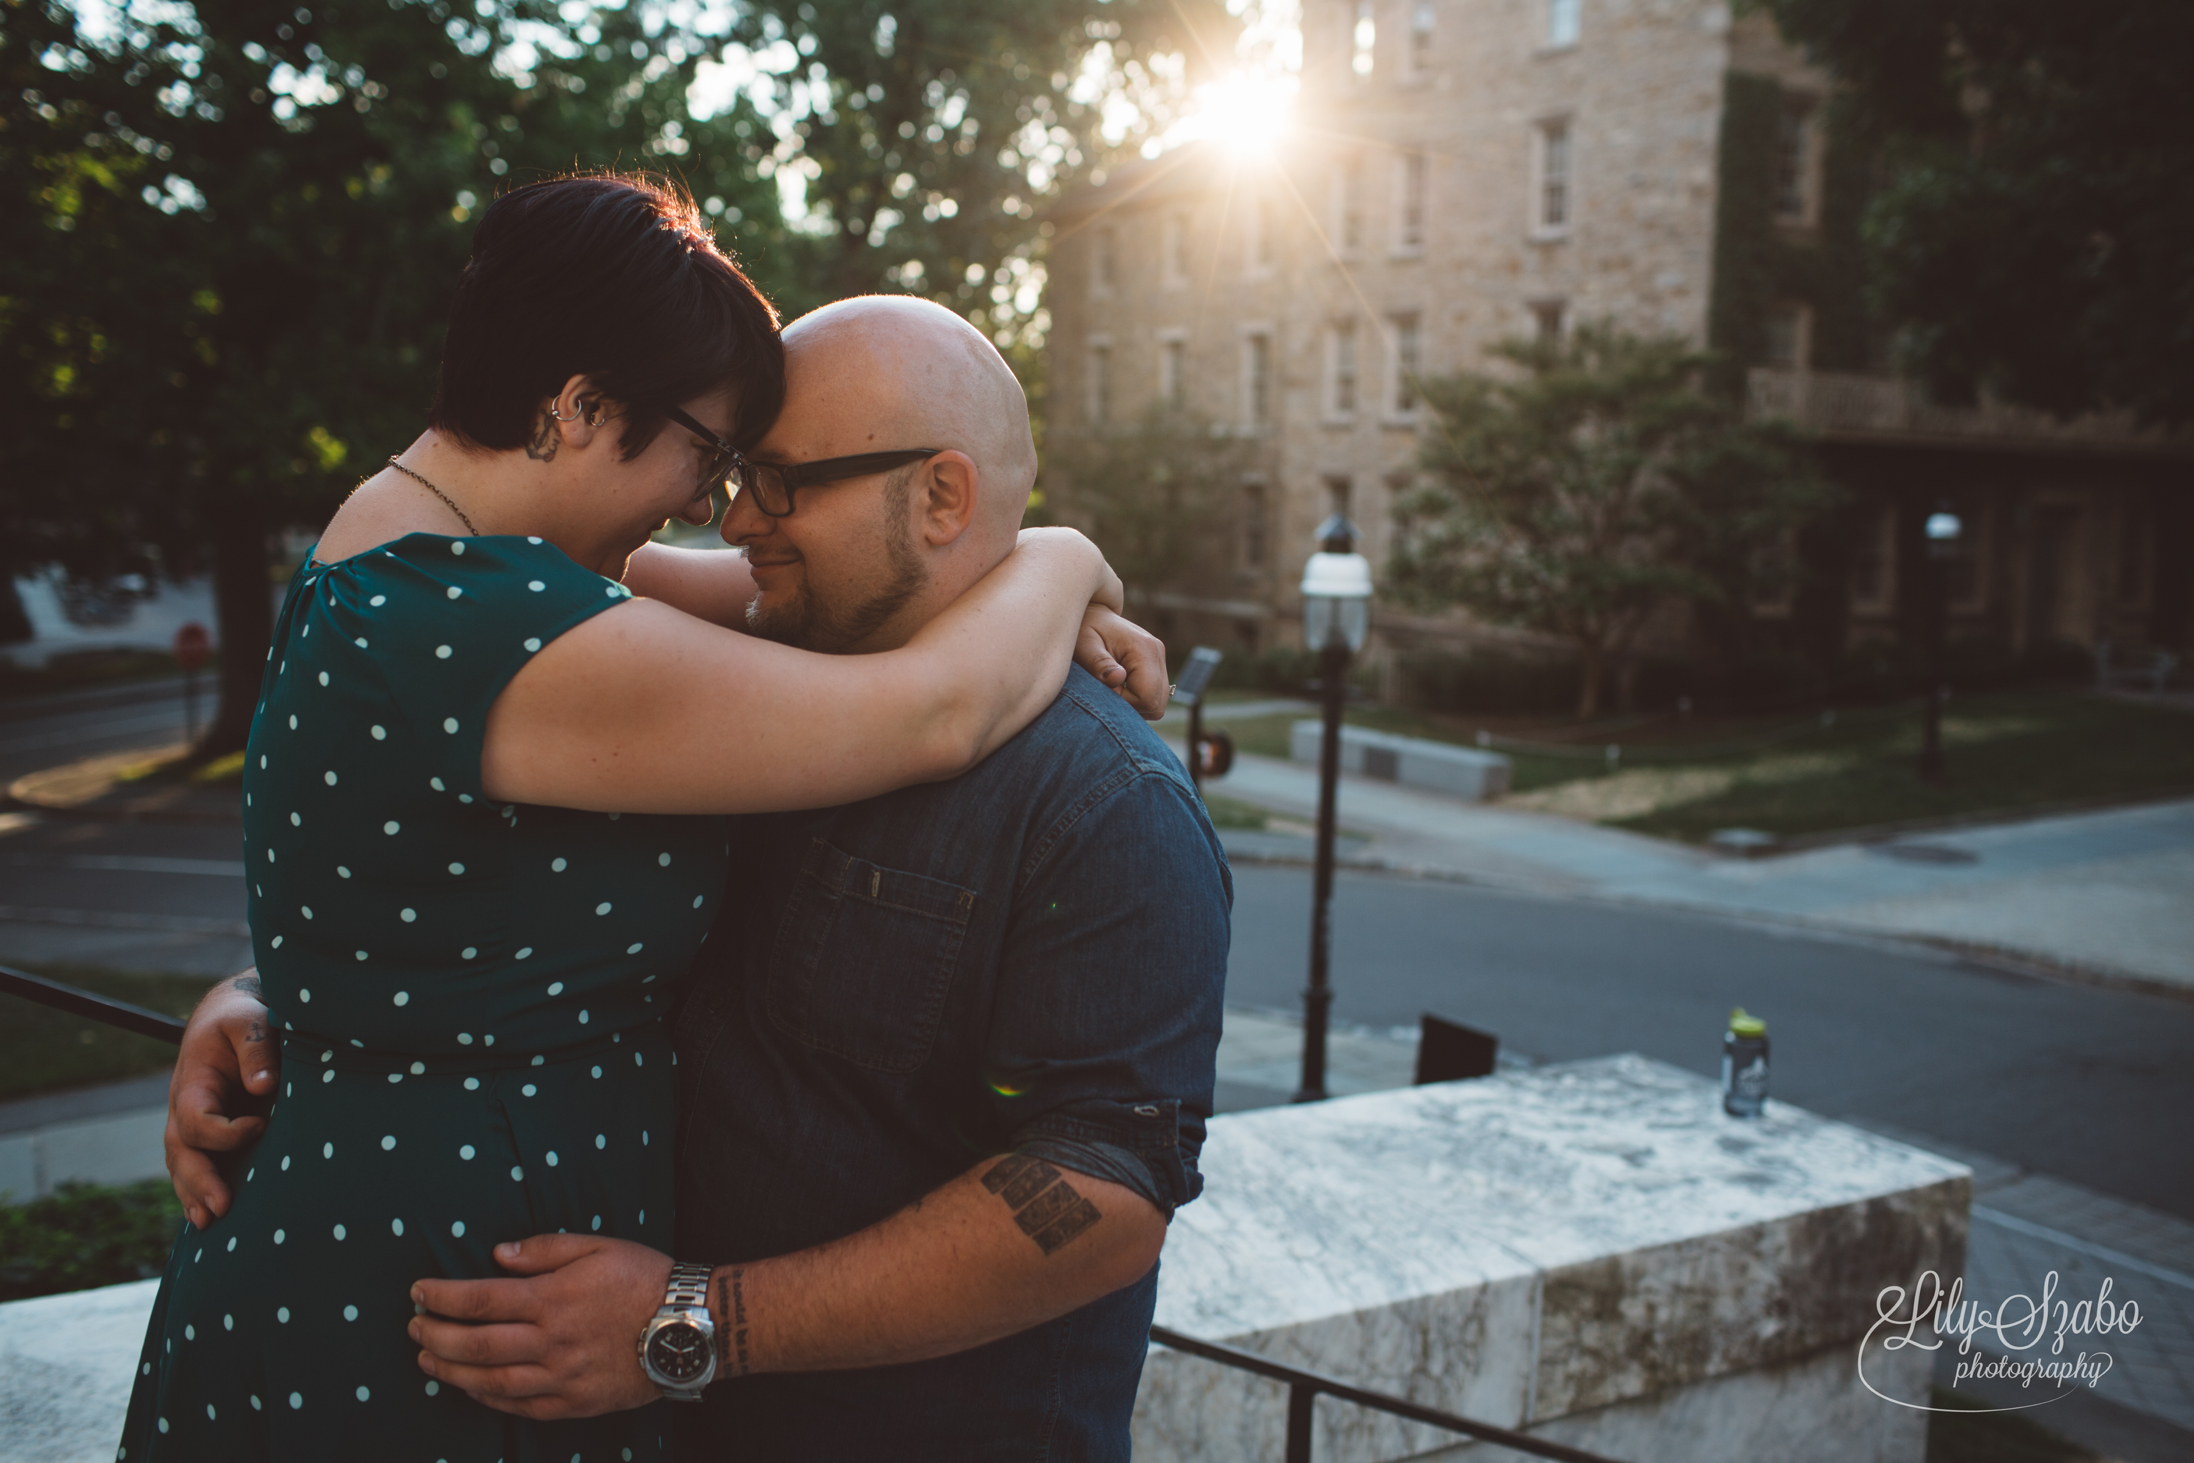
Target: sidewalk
2104	895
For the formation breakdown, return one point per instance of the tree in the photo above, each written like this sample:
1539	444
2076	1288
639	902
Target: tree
230	239
2032	225
1591	487
1154	494
926	133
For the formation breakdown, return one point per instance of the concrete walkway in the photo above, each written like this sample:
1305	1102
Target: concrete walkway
2107	895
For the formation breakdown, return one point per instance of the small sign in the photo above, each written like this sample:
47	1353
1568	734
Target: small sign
1214	754
193	646
1196	675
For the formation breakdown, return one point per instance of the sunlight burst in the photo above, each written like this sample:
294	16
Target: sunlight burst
1243	111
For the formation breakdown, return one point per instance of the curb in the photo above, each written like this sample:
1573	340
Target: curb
87	789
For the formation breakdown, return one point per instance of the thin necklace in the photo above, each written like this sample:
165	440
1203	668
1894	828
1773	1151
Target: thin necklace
446	498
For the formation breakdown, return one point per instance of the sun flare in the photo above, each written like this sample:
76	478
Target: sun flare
1243	111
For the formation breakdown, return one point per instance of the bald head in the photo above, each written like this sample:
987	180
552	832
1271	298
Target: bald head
914	374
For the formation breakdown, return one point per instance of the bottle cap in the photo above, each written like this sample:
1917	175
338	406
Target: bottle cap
1741	1024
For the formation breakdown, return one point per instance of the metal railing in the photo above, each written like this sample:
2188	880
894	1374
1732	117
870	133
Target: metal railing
85	1003
1303	1387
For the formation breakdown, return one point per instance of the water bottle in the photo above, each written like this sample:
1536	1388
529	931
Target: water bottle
1744	1065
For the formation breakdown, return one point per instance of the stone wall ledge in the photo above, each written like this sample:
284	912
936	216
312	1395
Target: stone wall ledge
1592	1249
1463	772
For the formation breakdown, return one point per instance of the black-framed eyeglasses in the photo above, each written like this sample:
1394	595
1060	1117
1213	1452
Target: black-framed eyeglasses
773	484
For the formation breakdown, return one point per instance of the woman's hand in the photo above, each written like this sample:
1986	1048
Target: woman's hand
1125	657
229	1058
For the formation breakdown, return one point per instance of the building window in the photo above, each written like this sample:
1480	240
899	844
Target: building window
1341	369
1788	341
1172	368
2136	557
1874	561
1422	19
1256	379
1563	21
1348	204
1408	353
1254	546
1546	320
1364	38
1173	248
1551	202
1794	166
1257	223
1409	202
1339	493
1100	383
1965	582
1101	263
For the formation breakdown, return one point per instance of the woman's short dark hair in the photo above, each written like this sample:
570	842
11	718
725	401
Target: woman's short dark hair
611	276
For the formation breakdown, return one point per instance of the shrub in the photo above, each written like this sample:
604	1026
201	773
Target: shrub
86	1235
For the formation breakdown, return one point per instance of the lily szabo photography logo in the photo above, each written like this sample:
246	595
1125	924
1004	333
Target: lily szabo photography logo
2048	1345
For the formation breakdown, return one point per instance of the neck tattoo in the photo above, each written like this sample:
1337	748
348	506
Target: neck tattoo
420	479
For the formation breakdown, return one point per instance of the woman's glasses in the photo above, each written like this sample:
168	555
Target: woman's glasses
774	484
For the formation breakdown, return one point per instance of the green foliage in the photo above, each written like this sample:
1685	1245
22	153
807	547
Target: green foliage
228	241
1155	494
1757	262
2032	225
86	1235
927	132
1597	483
1744	231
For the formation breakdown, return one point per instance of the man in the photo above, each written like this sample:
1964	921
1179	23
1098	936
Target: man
946	1060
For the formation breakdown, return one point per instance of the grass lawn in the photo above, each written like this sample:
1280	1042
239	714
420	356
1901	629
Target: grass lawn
1227	813
42	1049
1685	779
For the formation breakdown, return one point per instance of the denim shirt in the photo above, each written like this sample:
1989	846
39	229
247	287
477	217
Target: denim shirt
1028	958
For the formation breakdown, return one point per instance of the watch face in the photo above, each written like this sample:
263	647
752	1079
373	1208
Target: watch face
679	1352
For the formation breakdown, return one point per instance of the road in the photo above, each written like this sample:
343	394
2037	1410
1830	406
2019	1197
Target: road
2086	1084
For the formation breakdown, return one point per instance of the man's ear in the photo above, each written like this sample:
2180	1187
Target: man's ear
951	486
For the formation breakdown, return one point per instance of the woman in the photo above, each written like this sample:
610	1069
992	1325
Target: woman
468	891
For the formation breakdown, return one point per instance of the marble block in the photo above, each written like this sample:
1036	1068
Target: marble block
65	1364
1459	771
1538	1248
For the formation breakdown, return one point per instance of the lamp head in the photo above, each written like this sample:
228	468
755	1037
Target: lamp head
1337	535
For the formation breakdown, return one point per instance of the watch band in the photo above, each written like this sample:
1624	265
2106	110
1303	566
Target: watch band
688	1286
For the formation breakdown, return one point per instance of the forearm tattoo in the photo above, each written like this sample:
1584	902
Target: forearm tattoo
1049	1210
731	1323
541	447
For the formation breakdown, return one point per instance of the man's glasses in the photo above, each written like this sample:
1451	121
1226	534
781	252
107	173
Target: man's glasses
772	484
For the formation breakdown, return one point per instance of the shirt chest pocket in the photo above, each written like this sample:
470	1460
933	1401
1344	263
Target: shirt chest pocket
863	959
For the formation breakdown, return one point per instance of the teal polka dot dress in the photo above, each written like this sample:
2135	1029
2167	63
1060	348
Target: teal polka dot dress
468	994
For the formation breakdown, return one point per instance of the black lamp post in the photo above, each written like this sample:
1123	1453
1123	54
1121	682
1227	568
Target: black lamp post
1943	530
1336	621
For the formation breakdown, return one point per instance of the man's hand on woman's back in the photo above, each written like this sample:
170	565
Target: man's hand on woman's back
229	1057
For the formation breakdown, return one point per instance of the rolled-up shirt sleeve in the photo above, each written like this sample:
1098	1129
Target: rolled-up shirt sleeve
1105	1032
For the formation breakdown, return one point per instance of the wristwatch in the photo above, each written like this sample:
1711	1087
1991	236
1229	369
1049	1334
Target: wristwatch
678	1348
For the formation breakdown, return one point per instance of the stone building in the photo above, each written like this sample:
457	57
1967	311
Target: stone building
1461	171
